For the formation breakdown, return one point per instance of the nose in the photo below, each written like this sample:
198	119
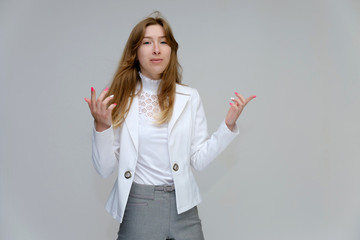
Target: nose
156	49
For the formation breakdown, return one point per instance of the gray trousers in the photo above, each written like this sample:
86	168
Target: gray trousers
151	214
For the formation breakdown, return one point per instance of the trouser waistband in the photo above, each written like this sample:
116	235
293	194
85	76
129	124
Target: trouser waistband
165	188
151	188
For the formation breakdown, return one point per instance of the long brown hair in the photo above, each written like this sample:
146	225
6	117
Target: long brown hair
126	77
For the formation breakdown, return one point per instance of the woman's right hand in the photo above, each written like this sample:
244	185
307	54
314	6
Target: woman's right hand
99	109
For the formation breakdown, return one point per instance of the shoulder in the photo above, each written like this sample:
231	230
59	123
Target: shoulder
190	92
186	90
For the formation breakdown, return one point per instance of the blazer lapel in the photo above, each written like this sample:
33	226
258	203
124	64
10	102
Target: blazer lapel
132	119
132	122
181	98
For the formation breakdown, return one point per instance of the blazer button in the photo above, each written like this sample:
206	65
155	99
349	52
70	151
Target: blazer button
176	167
127	174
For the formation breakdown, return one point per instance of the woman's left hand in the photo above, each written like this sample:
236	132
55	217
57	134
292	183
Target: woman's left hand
235	110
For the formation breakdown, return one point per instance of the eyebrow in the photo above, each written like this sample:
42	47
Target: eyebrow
159	37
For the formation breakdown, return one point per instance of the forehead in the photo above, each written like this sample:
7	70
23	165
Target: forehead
154	31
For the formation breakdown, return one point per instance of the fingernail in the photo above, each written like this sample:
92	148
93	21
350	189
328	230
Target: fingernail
230	104
92	89
115	104
254	96
236	93
111	96
85	99
106	89
232	98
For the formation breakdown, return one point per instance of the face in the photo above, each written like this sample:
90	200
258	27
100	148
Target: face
154	52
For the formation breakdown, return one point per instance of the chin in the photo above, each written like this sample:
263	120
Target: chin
159	73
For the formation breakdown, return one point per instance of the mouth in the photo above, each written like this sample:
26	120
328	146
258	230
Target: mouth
156	60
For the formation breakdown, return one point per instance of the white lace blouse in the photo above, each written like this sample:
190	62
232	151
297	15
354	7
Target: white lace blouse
153	165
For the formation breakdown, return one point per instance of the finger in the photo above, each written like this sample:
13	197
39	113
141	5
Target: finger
111	107
87	101
242	99
250	98
102	94
93	97
108	99
103	103
237	101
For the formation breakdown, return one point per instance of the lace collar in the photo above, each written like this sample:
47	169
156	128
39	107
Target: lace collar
148	84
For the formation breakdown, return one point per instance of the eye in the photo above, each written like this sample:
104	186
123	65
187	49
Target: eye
163	42
146	42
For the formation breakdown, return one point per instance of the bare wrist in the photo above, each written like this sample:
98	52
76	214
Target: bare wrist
230	126
100	127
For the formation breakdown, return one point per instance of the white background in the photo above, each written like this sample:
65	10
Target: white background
293	173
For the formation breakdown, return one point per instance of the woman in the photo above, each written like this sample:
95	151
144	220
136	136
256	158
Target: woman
150	129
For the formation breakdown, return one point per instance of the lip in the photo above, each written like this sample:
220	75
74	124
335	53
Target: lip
156	60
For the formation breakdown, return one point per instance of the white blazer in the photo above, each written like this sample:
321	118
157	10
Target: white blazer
189	145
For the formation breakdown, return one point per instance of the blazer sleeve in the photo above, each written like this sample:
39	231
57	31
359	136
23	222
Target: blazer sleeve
105	150
205	148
